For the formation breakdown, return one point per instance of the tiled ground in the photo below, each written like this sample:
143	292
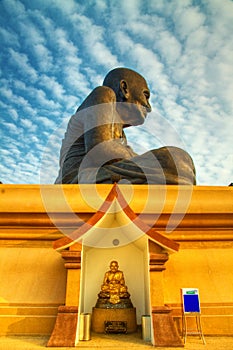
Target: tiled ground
111	342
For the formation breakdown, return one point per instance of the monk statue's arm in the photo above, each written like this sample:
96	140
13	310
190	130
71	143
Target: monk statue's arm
121	278
103	130
106	280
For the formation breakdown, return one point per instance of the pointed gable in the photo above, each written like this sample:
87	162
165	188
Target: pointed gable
114	219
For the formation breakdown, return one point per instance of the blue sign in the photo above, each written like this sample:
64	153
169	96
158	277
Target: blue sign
190	298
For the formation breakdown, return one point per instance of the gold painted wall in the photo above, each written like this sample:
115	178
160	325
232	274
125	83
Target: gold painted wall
209	267
32	286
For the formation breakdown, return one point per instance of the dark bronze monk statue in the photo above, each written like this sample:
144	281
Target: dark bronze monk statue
95	149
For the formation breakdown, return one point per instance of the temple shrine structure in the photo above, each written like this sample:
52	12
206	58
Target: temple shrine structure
56	241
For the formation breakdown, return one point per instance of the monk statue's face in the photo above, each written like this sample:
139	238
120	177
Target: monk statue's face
114	266
135	106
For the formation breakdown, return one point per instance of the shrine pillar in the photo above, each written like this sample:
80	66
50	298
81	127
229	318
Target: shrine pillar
65	329
164	332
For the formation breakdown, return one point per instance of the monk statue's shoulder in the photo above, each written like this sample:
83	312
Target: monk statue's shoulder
101	94
104	94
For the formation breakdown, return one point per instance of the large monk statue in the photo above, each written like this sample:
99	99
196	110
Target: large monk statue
95	149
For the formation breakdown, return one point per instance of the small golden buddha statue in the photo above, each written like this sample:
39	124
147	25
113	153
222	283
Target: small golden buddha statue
114	292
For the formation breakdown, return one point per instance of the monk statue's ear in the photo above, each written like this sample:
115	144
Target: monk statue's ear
124	91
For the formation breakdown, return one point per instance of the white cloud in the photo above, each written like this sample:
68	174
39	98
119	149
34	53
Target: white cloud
13	129
7	93
94	78
186	19
13	113
76	81
9	37
48	123
123	42
67	7
169	47
42	99
102	55
33	36
28	124
100	6
43	57
94	40
51	84
65	46
15	9
21	62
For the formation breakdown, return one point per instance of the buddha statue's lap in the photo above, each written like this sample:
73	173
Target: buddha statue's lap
165	165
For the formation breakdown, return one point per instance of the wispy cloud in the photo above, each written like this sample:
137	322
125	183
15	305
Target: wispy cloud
20	62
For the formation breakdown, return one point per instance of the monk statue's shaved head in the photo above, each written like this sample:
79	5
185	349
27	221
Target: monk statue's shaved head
114	77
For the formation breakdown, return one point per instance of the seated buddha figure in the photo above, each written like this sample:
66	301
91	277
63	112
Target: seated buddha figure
113	289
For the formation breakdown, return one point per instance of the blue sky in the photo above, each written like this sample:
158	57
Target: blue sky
54	52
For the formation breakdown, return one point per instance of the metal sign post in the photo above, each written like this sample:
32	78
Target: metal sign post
191	308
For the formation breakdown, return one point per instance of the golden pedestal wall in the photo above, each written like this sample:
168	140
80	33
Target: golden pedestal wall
33	276
99	316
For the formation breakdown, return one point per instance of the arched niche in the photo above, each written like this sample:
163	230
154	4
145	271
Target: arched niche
133	261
